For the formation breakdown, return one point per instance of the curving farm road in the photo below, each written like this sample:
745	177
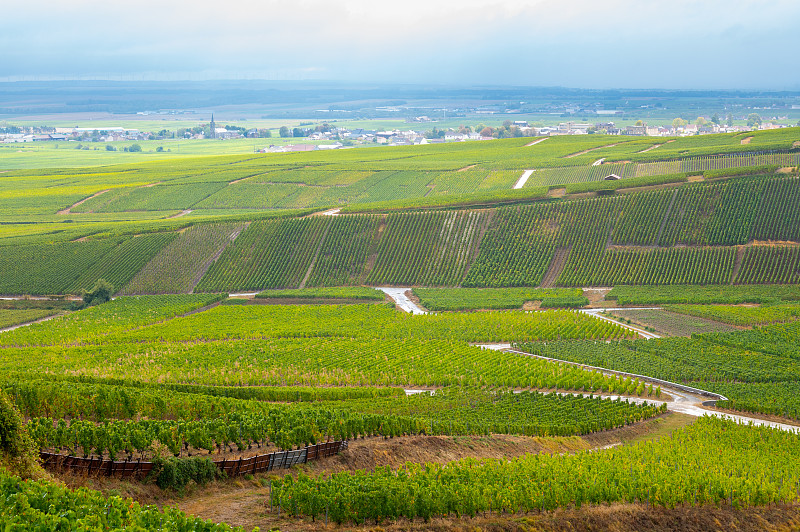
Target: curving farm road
686	400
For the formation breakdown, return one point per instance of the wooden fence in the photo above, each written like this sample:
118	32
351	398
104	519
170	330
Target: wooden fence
241	466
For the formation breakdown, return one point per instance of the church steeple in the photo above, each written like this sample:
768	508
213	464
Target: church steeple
213	127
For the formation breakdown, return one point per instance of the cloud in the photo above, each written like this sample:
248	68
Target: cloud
634	43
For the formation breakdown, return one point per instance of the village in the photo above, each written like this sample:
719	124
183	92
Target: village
326	136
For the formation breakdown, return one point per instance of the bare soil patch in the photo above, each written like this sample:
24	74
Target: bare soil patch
467	168
695	178
786	170
557	192
596	296
746	140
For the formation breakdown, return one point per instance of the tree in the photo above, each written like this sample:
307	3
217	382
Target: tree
715	118
134	147
730	120
701	121
639	123
109	147
297	132
487	131
284	132
100	293
753	120
678	122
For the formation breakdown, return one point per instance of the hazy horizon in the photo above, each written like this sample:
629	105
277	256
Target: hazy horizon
709	45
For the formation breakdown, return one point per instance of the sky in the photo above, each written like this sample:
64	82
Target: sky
683	44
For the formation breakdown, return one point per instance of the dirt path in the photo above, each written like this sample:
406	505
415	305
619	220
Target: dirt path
68	210
555	267
182	213
522	179
236	232
737	263
746	140
535	142
329	212
584	152
40	320
654	146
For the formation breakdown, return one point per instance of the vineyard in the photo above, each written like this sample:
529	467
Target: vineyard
670	322
731	295
342	260
761	356
231	424
122	314
248	323
742	316
179	265
271	254
427	249
498	298
43	505
709	463
737	231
